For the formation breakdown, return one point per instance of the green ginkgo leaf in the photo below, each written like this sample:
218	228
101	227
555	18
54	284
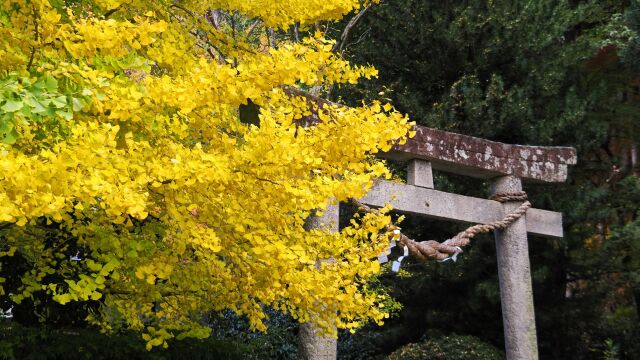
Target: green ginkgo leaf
77	104
10	137
12	106
51	84
59	102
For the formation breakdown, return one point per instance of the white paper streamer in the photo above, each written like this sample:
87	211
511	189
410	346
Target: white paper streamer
453	257
382	258
395	267
396	264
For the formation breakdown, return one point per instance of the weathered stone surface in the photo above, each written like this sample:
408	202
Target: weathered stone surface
419	173
311	344
446	206
472	156
516	294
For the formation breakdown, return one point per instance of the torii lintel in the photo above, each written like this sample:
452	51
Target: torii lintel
471	156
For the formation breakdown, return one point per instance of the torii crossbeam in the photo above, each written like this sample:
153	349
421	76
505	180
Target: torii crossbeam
506	166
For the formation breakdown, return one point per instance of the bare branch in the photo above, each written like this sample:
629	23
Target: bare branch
252	27
360	38
295	32
110	12
189	12
214	17
37	38
339	46
271	34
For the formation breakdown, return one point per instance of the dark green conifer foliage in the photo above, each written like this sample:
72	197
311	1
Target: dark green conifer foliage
535	72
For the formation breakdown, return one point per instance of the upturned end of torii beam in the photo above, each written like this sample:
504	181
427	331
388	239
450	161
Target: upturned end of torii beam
471	156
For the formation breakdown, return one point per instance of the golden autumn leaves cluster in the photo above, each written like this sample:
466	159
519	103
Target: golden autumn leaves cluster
127	178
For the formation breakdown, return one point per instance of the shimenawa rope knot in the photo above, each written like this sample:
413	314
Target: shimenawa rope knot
449	249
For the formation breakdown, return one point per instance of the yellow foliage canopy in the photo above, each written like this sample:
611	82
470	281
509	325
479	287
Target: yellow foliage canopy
123	160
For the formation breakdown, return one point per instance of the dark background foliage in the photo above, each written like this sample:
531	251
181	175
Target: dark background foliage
532	72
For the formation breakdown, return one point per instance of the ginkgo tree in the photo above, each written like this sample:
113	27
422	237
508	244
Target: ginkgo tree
128	179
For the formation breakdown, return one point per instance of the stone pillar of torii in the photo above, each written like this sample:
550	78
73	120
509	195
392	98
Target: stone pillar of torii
506	166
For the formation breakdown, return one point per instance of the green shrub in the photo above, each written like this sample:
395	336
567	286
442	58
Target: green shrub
448	348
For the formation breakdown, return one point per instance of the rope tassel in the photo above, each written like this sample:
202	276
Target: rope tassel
449	249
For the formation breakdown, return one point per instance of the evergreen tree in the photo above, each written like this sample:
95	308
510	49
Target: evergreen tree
535	72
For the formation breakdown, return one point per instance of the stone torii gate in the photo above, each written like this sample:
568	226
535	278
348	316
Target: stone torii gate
506	166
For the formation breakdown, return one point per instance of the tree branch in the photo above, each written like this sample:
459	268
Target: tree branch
295	32
213	17
252	27
110	12
189	12
340	45
37	38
